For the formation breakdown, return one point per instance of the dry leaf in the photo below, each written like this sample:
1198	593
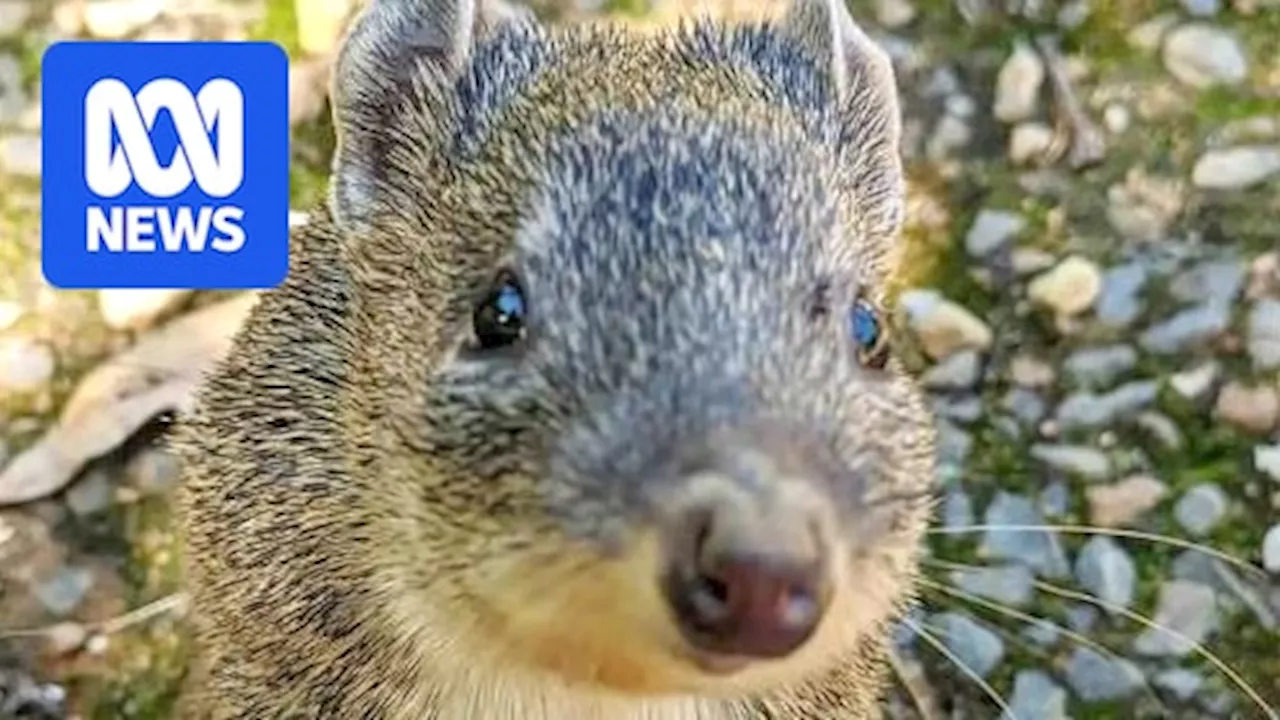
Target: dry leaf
117	399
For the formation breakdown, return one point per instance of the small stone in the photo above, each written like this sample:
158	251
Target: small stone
1025	405
1080	460
153	471
1100	366
943	326
1143	206
957	510
66	637
1201	508
1068	289
960	371
1254	409
1266	458
992	229
1186	608
1271	549
1116	118
1107	571
1009	537
1036	697
1215	281
951	134
137	309
964	410
1087	409
1031	372
1119	304
1185	329
1150	34
90	494
13	16
1124	502
978	648
1095	677
1029	141
1196	383
1029	261
1264	273
1073	13
1011	585
954	444
118	19
1263	342
1042	632
1201	8
1055	500
895	13
1236	168
20	155
1183	683
1202	55
25	365
1018	85
1081	618
65	590
1162	428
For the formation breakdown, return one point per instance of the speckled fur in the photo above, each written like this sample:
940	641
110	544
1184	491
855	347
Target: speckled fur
380	524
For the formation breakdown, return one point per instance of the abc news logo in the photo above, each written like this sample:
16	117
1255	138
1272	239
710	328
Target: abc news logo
113	110
166	164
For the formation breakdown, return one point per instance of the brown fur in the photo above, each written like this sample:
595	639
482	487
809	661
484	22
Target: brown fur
373	532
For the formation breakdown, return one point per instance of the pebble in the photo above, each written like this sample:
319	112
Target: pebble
960	371
1100	366
1187	328
957	510
1201	508
137	309
1105	569
943	326
1266	458
1196	383
1162	428
13	16
1031	372
1187	608
1025	405
65	590
895	13
117	19
964	410
954	444
1149	34
1183	683
1253	408
1215	281
1271	549
1011	585
1029	141
1263	333
25	365
1143	206
1042	632
1037	549
20	155
951	134
1236	168
1117	118
1018	85
1202	8
1036	697
1029	261
1124	502
976	647
1068	289
1080	460
90	494
1095	677
1201	55
991	230
1091	410
1055	500
153	470
1118	303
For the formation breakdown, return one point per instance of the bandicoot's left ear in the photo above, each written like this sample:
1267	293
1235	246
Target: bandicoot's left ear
867	96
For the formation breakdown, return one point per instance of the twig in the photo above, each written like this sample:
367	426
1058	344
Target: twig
1087	144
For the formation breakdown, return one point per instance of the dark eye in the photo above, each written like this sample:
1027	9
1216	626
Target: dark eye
499	318
868	333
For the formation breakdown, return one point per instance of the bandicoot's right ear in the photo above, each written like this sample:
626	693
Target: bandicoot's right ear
391	45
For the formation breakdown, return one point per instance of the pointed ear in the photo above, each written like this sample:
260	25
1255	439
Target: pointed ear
866	92
391	46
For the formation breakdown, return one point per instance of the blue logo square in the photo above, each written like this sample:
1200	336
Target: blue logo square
165	165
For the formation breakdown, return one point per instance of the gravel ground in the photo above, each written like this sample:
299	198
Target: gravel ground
1092	293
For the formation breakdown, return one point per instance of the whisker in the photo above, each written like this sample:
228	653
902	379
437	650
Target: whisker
1110	532
941	647
1028	618
1200	650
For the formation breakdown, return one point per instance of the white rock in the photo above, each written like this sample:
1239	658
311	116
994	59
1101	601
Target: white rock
117	19
1018	85
1029	141
1264	334
1271	550
944	326
895	13
1068	289
135	309
1267	459
25	365
1195	383
1237	167
1202	55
